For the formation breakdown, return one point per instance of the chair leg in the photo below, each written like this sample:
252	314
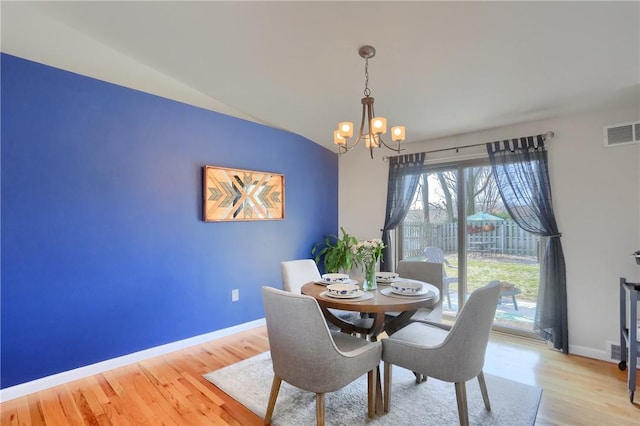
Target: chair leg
461	397
371	392
420	378
483	390
387	385
275	389
320	409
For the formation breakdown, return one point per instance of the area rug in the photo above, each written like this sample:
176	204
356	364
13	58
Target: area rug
430	403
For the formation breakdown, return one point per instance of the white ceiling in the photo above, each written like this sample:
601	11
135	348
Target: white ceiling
442	68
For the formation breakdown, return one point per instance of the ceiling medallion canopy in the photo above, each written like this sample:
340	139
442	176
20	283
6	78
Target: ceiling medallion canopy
375	126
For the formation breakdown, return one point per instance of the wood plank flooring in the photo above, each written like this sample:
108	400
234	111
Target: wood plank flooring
170	390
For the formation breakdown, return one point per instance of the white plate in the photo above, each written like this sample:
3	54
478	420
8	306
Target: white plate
386	275
388	280
417	293
423	294
357	293
349	281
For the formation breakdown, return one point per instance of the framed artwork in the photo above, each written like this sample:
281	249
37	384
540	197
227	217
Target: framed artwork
236	194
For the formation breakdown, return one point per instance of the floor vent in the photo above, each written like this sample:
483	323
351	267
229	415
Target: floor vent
622	134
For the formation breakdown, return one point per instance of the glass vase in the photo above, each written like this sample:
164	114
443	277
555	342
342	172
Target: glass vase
369	282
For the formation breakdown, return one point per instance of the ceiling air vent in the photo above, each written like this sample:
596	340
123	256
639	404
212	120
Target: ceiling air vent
622	134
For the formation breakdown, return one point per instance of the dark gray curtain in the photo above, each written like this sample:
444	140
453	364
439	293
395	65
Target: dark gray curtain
404	175
521	171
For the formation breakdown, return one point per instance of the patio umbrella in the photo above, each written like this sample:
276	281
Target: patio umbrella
482	216
481	228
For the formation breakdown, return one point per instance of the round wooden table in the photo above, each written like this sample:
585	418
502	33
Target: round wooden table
375	306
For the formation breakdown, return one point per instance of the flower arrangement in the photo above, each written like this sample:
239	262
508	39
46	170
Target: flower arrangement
368	251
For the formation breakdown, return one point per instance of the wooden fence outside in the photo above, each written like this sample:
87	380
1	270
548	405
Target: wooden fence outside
502	237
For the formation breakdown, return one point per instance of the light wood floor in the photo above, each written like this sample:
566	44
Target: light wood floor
170	389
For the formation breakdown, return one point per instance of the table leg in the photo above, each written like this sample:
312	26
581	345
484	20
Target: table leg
379	403
396	323
377	327
344	326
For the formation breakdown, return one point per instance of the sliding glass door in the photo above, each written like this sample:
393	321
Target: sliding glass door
457	218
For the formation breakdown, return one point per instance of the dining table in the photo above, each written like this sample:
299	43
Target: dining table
376	304
373	304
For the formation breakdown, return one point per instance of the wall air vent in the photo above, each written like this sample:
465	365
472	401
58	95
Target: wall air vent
615	353
622	134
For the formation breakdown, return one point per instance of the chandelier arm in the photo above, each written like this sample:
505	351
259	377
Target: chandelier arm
364	107
370	116
342	150
398	149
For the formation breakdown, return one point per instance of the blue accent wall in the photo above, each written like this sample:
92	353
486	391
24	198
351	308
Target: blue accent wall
104	250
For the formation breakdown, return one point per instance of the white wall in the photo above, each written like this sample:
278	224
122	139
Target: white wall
53	43
596	199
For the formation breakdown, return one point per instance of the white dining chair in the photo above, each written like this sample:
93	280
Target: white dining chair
296	273
436	255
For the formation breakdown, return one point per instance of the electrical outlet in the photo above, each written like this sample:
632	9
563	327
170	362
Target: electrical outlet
235	295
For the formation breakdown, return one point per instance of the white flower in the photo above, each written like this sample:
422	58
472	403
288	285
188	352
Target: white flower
368	251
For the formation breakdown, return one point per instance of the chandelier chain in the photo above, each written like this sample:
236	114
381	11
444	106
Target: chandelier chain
367	91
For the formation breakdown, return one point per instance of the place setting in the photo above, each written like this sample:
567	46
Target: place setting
327	279
345	291
387	278
406	289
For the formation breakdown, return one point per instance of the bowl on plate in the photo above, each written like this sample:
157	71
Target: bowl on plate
342	289
335	278
406	287
386	276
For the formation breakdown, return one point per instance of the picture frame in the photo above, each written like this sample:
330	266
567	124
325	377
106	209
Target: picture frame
242	195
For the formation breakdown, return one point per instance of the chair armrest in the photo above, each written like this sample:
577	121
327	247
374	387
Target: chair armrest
440	325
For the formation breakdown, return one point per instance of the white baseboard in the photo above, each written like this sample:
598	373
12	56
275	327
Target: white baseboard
590	353
58	379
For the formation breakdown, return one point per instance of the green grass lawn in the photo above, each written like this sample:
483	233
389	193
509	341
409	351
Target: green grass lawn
481	270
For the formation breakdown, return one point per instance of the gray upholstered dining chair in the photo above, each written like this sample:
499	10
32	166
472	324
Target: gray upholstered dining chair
456	355
427	272
318	360
296	273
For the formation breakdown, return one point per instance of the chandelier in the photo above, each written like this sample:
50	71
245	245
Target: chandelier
375	126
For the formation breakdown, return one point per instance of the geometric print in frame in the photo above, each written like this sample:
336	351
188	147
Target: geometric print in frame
236	194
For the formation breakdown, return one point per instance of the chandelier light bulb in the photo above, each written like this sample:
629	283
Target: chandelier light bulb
398	133
371	141
338	139
379	125
346	129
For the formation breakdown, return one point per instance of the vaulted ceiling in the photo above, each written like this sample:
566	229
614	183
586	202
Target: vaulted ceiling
441	68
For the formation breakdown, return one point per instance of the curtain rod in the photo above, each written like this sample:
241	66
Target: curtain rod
545	136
